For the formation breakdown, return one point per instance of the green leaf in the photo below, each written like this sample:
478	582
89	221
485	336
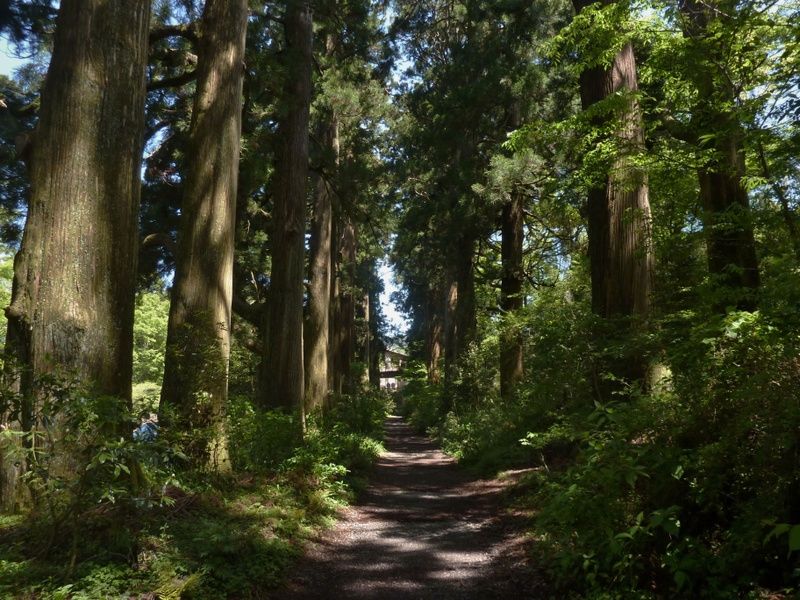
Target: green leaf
681	579
794	539
777	531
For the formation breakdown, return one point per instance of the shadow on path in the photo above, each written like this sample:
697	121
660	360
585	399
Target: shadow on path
423	529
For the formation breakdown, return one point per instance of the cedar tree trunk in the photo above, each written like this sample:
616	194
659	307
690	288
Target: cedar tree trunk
285	381
71	311
434	331
374	339
317	340
727	222
198	339
511	295
459	313
367	348
344	330
620	245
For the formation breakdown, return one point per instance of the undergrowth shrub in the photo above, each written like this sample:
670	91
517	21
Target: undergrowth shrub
194	534
483	430
686	490
689	490
363	412
420	402
259	440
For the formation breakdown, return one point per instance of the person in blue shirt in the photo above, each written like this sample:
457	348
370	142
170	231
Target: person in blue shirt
147	431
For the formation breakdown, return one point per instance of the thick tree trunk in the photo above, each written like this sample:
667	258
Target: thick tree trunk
344	340
374	339
434	336
511	368
317	341
730	242
366	349
620	245
789	217
466	320
459	313
449	330
198	339
727	222
286	381
71	312
336	296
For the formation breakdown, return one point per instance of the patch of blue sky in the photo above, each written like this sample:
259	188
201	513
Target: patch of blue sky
396	319
9	61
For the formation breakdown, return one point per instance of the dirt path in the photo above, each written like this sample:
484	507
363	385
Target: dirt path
423	529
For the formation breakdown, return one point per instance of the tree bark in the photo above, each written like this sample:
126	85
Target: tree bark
317	342
285	373
511	367
375	344
459	313
450	328
732	259
434	334
344	340
465	308
71	313
789	218
367	346
619	219
198	339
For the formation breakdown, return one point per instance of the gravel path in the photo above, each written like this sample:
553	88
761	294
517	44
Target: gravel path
423	529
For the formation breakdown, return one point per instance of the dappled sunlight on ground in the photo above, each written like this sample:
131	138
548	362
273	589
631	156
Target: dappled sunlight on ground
423	529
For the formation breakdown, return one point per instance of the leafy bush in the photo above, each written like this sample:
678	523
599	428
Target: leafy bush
150	337
686	490
680	490
259	440
210	537
363	412
420	403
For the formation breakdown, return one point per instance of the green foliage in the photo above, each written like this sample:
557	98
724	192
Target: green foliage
679	490
420	403
483	430
363	412
6	278
150	337
202	537
260	441
684	491
79	452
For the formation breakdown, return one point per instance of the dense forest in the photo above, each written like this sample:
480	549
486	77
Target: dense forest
590	210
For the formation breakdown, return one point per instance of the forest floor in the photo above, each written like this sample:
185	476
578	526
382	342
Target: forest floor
424	528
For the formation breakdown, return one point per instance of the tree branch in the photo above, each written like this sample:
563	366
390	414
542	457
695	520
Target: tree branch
160	239
252	313
172	82
187	31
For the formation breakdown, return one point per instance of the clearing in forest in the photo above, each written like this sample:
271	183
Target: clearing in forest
423	529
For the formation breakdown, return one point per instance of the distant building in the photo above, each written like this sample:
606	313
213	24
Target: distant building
392	370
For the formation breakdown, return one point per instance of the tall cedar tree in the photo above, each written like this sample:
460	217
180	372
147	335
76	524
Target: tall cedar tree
512	220
198	342
283	374
317	332
619	221
74	277
727	223
512	231
318	324
344	301
433	334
